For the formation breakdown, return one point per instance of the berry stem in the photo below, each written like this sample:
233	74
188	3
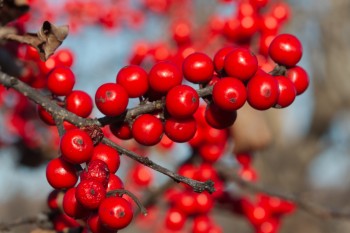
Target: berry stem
121	192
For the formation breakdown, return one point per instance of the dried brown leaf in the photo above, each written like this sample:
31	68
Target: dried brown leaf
46	40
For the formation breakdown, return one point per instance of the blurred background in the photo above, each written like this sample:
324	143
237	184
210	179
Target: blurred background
308	154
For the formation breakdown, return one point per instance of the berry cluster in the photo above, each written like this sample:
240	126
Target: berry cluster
89	199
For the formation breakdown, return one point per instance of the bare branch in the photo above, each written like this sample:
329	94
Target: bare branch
59	112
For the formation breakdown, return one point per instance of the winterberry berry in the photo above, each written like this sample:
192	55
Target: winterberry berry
286	50
76	146
147	130
111	99
198	68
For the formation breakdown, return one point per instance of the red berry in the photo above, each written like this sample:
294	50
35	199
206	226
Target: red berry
108	155
219	58
204	202
229	94
163	76
218	118
96	226
286	50
262	91
114	182
142	175
147	130
79	103
186	202
134	79
201	224
180	130
205	172
245	159
115	213
111	99
71	207
181	32
61	174
182	101
198	68
45	116
121	130
211	152
90	193
52	199
241	63
299	77
61	81
281	11
76	146
287	92
96	170
175	219
64	57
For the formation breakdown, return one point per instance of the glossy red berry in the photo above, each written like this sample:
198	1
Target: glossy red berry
90	193
61	174
61	81
134	79
286	50
182	101
121	130
79	103
76	146
186	202
219	58
287	92
210	152
147	130
142	175
181	32
204	202
163	76
229	94
115	212
262	91
299	77
180	130
198	68
201	224
175	219
108	155
114	182
71	206
96	170
218	118
111	99
241	63
64	57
